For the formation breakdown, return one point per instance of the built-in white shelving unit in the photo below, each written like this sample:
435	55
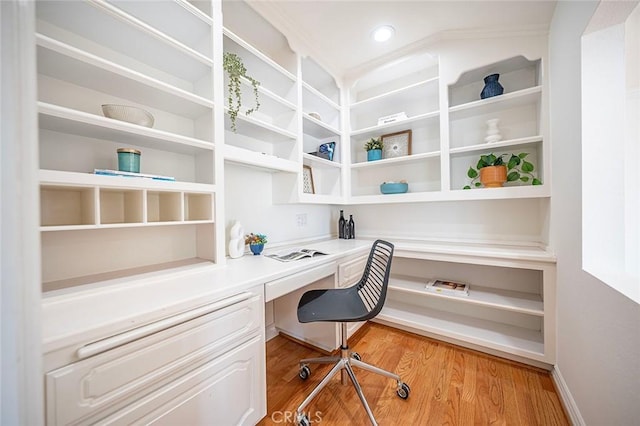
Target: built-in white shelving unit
510	308
267	138
92	225
519	111
409	86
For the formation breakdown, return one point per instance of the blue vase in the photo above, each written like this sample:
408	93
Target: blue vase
374	154
256	249
491	87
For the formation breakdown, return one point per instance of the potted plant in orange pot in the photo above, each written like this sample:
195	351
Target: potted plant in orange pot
492	172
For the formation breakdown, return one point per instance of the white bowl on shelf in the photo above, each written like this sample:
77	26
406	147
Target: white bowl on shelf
129	114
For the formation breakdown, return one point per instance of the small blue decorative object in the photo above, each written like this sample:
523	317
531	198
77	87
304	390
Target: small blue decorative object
256	249
374	154
491	87
394	187
326	150
128	160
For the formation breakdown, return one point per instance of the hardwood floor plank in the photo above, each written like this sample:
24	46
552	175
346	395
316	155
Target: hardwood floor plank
449	385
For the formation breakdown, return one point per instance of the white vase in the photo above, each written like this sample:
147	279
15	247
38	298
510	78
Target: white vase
493	133
236	241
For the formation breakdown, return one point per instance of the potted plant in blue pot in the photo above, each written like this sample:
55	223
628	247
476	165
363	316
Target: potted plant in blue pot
374	149
256	242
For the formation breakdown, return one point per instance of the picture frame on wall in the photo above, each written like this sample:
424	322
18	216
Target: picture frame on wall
307	180
397	144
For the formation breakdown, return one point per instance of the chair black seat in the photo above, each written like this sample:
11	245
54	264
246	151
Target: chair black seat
335	305
360	302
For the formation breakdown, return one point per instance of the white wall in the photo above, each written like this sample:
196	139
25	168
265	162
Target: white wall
493	220
248	199
598	328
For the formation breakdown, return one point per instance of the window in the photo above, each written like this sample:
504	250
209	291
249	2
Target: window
611	147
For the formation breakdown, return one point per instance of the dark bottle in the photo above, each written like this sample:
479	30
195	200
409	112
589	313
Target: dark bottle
341	225
352	227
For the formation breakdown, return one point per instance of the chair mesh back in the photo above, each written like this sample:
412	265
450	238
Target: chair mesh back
372	287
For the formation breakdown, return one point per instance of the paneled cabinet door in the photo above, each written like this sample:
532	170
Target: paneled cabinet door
225	391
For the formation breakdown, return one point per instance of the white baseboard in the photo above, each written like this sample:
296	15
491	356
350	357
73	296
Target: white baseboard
567	399
270	332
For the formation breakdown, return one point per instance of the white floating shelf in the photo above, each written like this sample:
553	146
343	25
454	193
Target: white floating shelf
67	63
396	126
62	178
514	301
494	335
316	161
497	103
412	93
108	26
491	147
318	129
413	158
259	160
66	120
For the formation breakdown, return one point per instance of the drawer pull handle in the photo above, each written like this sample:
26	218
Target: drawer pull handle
149	329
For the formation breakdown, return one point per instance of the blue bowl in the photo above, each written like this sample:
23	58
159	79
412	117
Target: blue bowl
394	187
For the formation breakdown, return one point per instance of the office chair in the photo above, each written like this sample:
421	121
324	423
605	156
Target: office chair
360	302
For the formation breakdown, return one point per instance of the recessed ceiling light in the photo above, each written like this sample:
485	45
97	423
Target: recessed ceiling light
383	33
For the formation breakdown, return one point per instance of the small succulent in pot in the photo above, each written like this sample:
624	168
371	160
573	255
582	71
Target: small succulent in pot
373	143
253	239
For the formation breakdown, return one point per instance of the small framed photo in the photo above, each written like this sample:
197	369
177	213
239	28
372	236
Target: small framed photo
397	144
307	180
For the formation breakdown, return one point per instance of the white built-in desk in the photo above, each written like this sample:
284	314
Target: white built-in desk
157	345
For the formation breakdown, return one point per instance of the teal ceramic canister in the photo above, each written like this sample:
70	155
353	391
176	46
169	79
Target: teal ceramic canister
129	160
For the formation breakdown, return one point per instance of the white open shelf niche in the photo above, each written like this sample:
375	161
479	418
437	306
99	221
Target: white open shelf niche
510	307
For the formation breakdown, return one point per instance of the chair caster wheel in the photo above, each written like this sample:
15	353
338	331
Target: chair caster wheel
303	420
356	356
304	372
403	391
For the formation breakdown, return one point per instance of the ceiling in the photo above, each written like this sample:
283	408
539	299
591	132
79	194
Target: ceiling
337	33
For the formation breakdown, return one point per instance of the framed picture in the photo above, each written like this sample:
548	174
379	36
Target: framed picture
307	180
397	144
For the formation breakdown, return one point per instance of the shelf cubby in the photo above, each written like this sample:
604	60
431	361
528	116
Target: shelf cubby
320	83
198	207
119	206
62	206
164	206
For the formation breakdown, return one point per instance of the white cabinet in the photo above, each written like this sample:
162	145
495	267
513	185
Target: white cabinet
86	57
205	366
510	309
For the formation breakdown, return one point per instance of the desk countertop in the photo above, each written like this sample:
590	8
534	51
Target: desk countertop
100	310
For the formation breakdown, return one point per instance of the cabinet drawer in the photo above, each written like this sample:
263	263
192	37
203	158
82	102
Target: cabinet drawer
351	271
230	390
112	379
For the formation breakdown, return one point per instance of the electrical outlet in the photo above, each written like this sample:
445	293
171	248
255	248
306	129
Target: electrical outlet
301	219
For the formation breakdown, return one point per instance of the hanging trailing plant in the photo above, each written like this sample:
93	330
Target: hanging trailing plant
235	69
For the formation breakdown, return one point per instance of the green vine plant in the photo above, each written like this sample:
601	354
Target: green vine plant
517	169
235	69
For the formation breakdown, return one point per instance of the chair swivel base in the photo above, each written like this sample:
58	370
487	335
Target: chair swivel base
344	364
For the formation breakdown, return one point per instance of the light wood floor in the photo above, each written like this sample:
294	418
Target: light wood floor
449	385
